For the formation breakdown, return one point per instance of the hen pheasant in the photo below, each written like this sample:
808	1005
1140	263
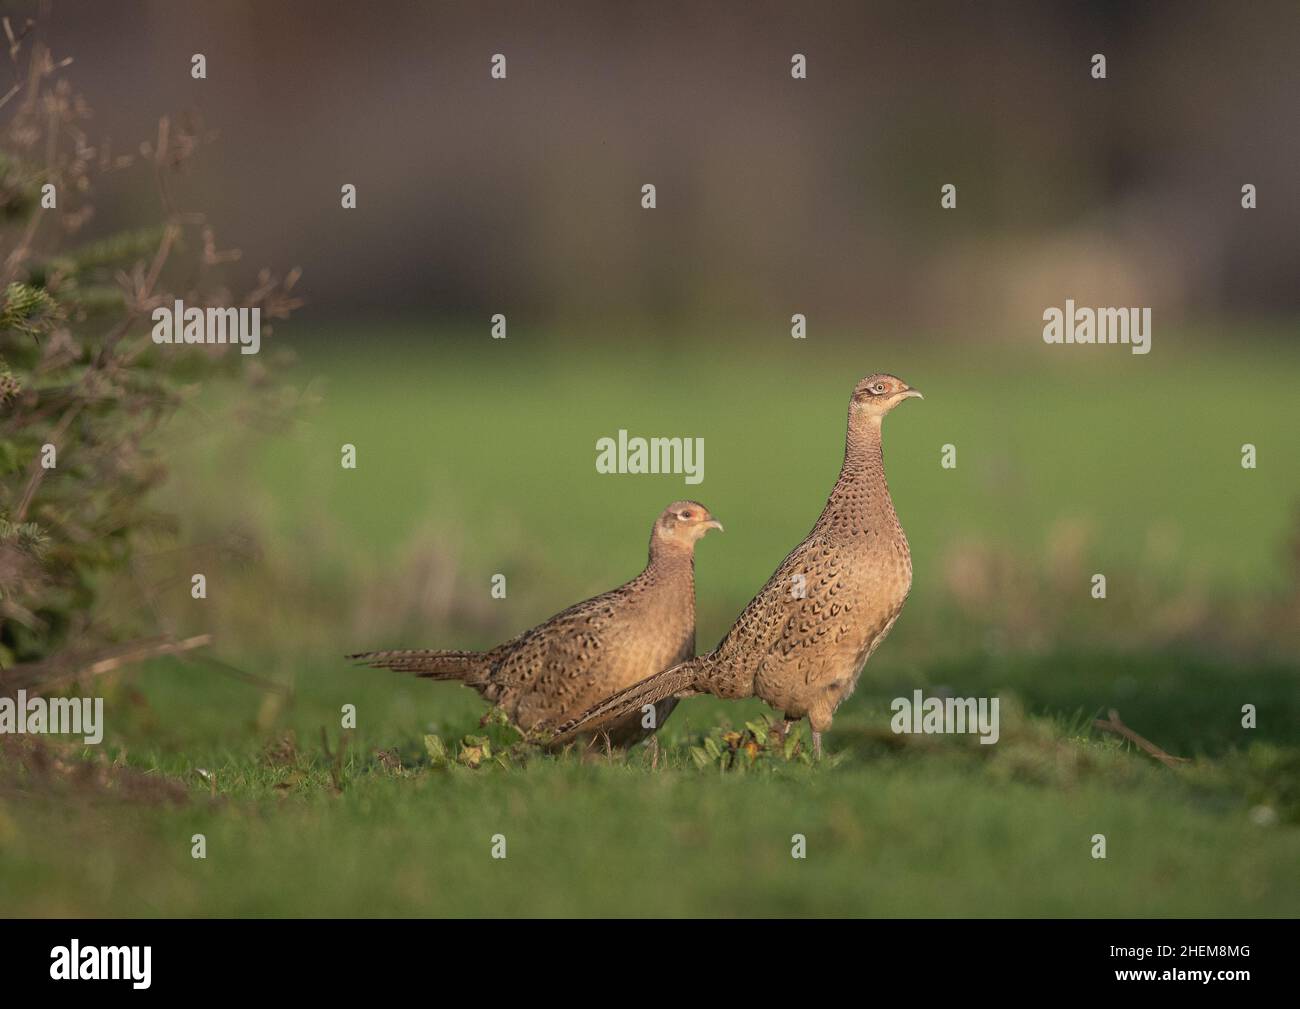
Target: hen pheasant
801	643
559	668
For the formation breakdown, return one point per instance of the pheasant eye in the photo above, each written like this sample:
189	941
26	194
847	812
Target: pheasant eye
878	388
683	515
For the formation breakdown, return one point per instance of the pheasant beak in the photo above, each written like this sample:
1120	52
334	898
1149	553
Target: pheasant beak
912	393
714	524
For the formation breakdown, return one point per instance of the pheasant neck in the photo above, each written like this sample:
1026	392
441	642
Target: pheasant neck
671	562
860	500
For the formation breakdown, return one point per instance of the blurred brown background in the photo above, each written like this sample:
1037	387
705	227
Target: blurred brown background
775	195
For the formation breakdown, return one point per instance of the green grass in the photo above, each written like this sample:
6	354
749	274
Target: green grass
931	827
489	450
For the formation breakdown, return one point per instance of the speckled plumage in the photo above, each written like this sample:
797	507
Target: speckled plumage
560	668
802	654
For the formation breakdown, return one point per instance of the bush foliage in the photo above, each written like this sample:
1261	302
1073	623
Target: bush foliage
83	388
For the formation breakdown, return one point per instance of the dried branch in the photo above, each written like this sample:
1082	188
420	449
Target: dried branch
51	673
1120	729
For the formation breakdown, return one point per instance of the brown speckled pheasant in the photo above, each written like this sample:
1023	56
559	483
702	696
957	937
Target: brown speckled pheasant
801	643
591	650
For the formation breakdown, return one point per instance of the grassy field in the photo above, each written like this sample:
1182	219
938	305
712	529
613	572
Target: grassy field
477	462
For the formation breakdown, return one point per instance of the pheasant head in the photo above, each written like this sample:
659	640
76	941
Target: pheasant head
877	394
683	523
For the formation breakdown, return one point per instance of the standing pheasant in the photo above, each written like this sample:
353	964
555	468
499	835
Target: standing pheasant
593	649
801	643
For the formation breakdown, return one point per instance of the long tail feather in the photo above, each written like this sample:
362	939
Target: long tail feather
469	667
677	680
